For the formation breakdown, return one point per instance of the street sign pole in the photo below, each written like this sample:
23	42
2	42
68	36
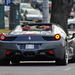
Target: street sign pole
7	3
45	11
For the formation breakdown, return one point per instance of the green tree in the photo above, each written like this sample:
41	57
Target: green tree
60	11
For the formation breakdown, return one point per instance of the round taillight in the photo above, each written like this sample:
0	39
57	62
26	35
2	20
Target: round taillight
2	36
57	36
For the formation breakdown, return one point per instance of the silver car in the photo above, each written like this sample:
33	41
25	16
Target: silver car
33	15
36	42
71	22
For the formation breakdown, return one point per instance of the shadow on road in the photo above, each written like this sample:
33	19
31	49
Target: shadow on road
34	64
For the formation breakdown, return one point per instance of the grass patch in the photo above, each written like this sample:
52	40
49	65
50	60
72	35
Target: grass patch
4	31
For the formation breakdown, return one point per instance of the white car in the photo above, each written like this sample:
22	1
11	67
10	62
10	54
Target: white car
71	22
25	5
33	15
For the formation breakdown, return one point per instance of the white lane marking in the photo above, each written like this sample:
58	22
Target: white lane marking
68	69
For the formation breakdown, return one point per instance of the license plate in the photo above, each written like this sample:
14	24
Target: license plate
29	46
35	20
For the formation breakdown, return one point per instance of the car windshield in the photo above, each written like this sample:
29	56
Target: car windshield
25	6
33	12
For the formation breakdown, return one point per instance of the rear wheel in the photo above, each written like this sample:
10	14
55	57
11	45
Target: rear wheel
63	61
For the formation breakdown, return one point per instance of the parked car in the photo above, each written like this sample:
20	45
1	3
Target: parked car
36	42
39	4
25	5
33	15
71	22
33	3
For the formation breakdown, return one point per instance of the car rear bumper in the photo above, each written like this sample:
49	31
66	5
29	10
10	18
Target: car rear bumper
41	53
32	56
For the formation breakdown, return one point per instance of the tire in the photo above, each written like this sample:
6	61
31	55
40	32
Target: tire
4	62
63	61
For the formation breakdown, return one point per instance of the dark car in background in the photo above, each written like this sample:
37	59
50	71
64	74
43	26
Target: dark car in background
39	4
36	42
33	3
25	5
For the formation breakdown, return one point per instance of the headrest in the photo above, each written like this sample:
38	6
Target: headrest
25	29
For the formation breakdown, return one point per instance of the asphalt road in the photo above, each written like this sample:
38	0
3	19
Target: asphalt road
42	68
